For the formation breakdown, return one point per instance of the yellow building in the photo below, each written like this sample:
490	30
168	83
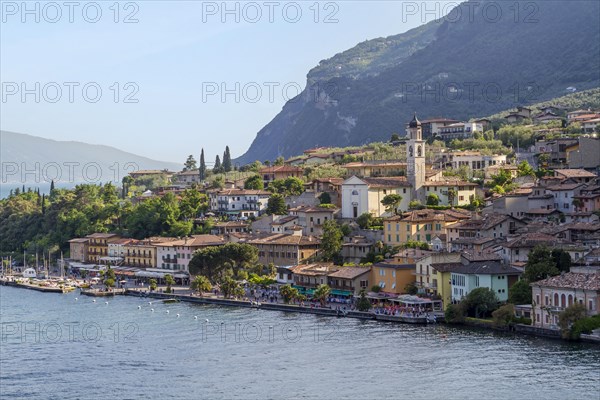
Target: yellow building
142	253
375	168
430	280
419	225
391	277
98	246
464	191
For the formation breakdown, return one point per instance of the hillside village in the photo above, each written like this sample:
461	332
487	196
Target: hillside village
436	223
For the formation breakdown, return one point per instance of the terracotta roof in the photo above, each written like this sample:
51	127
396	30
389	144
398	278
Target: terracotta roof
575	173
284	220
280	169
488	221
533	239
375	164
334	181
387	182
79	240
448	182
242	192
122	241
350	272
231	224
194	241
572	280
314	269
190	172
101	235
429	215
312	209
287	240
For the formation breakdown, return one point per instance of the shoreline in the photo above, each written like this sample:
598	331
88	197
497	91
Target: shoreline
520	329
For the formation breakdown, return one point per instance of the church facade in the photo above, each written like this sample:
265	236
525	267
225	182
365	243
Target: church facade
363	194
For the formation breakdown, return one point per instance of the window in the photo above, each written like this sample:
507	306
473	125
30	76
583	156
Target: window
381	272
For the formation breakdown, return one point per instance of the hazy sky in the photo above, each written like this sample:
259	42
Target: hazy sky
162	74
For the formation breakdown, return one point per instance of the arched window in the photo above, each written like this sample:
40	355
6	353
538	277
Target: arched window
570	300
555	299
419	151
563	300
410	151
355	193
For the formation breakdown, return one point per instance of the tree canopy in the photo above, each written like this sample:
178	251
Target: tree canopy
331	241
228	260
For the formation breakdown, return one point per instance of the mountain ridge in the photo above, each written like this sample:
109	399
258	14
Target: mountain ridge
29	159
357	103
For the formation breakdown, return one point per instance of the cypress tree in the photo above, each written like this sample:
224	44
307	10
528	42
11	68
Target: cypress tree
51	185
202	169
217	167
226	160
43	203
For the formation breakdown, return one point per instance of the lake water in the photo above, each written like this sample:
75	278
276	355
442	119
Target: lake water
56	347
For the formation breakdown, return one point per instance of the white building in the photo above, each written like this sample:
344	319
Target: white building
474	160
460	130
564	194
239	202
552	295
362	195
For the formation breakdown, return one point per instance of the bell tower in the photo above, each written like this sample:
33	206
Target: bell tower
415	157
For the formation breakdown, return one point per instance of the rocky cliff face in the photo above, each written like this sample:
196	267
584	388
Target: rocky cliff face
467	67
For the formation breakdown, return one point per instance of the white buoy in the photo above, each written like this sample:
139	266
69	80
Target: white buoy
177	315
195	317
93	301
106	302
76	299
206	320
150	302
152	309
139	307
167	311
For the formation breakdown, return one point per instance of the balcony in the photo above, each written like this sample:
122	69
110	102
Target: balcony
170	260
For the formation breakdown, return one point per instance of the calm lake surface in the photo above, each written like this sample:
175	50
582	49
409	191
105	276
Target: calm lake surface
56	347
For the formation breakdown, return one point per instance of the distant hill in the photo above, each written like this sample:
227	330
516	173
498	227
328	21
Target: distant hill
368	92
46	158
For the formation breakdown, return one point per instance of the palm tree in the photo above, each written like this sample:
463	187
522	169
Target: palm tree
170	281
201	284
322	293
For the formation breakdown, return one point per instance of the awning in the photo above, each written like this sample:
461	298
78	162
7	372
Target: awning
337	292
